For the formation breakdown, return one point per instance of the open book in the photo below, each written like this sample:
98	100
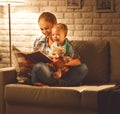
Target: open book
36	57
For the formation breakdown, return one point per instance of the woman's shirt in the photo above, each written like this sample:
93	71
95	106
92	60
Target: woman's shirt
41	44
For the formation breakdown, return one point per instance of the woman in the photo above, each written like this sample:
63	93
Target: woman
42	73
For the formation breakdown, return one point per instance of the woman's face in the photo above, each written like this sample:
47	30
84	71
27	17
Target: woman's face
46	27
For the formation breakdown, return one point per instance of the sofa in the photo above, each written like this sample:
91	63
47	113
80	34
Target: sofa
102	59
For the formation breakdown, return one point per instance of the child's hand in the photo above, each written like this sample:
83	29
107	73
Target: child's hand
65	69
58	63
51	65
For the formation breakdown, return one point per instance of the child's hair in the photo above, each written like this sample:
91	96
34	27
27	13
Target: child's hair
48	17
61	26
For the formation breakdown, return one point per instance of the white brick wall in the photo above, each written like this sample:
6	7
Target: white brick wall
83	24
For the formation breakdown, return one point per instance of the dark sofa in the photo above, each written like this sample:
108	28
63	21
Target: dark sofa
102	59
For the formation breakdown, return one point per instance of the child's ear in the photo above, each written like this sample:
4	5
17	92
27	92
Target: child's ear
66	35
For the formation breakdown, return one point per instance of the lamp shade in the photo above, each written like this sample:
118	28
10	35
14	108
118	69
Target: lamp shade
11	2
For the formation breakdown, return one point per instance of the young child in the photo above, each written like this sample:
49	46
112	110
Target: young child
62	50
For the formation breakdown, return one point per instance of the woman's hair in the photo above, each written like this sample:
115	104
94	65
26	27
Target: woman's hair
48	17
61	26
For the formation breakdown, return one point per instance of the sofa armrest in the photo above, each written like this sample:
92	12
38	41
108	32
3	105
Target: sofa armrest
7	75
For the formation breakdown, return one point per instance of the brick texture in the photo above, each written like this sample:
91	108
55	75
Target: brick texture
84	23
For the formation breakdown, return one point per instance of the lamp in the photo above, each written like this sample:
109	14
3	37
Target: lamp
9	3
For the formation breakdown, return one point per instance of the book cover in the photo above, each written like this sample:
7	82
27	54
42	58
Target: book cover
36	57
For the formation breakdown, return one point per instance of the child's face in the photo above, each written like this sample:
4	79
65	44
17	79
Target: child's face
58	36
46	27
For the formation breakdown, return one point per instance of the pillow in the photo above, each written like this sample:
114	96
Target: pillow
23	67
115	60
95	54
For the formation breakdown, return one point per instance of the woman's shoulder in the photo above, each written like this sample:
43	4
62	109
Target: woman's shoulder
40	38
38	42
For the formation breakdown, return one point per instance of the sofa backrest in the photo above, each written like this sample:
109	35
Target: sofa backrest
95	54
102	58
115	60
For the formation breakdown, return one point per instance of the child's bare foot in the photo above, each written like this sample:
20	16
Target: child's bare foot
57	75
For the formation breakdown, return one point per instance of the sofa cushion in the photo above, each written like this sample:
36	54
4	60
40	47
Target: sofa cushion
95	53
58	96
81	96
115	60
89	96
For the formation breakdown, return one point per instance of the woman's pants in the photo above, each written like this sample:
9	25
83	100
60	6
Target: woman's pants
43	73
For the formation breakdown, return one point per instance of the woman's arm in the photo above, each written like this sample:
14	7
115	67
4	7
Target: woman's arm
73	62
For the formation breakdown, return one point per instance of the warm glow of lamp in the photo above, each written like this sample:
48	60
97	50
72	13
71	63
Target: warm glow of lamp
9	3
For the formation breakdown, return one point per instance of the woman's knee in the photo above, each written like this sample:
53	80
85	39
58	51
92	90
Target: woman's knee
37	72
38	66
83	70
